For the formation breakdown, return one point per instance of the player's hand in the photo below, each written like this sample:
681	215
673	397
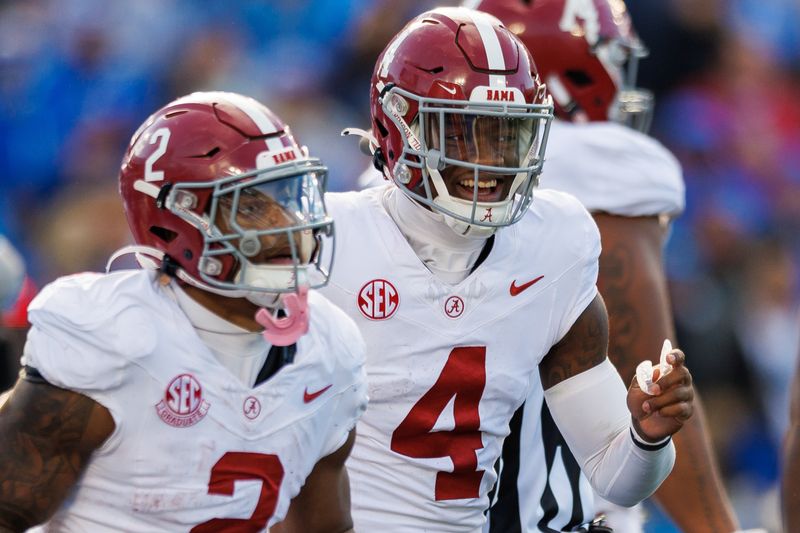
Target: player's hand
663	413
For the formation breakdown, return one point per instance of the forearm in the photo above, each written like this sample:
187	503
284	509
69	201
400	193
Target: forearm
47	435
693	494
590	411
633	284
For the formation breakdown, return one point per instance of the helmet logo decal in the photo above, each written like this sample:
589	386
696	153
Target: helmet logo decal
587	12
451	90
388	57
162	136
283	157
454	307
270	158
183	404
499	95
487	216
378	299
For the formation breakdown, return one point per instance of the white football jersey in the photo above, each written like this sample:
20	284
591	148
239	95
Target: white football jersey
193	448
449	364
613	169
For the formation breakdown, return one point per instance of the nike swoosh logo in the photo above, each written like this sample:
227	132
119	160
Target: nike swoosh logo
451	90
516	289
311	396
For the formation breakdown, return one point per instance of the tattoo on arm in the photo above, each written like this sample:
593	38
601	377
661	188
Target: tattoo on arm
632	282
583	347
47	435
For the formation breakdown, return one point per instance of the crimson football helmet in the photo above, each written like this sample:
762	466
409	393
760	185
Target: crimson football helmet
217	191
587	51
460	118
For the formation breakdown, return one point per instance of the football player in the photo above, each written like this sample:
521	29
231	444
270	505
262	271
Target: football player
471	291
586	52
211	390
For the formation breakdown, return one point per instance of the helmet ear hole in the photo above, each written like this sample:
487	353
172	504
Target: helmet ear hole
579	78
381	128
163	233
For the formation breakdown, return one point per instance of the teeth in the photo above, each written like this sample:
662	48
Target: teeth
482	184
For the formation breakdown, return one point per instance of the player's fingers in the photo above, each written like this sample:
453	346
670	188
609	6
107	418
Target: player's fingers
676	358
680	410
670	397
679	376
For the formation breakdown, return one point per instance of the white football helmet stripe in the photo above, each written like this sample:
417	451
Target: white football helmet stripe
491	43
250	108
257	116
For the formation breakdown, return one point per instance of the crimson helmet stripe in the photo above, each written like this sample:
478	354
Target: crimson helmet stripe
491	43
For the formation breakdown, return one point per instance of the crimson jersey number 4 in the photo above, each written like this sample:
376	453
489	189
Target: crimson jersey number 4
235	466
463	376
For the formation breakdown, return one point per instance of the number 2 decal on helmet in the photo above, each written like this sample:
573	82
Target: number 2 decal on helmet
161	135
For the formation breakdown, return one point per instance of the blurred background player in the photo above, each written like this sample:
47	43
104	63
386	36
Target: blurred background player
471	290
12	282
791	460
211	388
12	273
587	53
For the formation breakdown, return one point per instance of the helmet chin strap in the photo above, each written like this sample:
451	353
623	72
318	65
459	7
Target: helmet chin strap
148	258
443	198
287	330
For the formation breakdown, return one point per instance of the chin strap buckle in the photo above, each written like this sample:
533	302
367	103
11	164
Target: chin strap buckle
287	330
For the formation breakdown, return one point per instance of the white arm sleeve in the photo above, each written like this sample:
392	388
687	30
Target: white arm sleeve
591	412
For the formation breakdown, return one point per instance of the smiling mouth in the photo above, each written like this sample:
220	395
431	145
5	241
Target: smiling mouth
489	189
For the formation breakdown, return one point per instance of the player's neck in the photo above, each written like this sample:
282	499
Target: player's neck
238	311
446	254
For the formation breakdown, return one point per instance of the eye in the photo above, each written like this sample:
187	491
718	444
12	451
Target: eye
248	208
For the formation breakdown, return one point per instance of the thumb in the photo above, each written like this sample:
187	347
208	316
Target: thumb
636	397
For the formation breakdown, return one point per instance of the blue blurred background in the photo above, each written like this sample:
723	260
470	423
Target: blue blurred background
78	76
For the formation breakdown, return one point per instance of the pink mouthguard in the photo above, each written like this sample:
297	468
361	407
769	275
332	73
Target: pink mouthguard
285	331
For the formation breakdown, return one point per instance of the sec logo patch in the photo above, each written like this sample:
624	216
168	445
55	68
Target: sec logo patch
378	299
183	404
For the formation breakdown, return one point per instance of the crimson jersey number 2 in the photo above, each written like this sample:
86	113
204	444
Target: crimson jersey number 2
463	376
235	466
